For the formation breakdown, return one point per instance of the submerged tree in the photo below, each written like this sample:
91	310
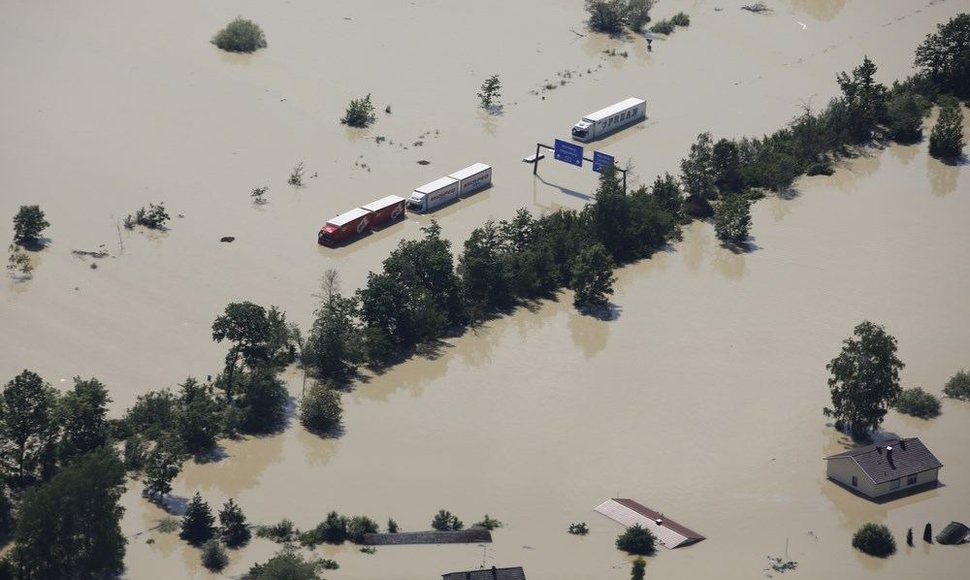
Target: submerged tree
733	219
490	91
197	523
70	527
240	35
233	527
637	540
945	56
592	275
875	540
946	139
83	415
360	113
865	379
864	98
28	224
28	429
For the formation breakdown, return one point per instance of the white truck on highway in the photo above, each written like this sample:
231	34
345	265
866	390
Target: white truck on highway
612	118
433	195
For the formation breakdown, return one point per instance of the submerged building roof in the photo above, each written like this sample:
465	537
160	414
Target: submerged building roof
492	573
891	459
629	512
473	535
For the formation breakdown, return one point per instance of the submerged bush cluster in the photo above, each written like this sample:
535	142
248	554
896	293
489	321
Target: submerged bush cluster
240	35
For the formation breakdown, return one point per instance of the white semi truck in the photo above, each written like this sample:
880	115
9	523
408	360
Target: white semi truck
433	195
610	119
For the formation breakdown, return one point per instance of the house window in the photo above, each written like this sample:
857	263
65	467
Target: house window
911	479
855	481
894	484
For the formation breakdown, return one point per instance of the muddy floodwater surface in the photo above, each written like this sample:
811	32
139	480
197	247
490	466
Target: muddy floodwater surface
702	398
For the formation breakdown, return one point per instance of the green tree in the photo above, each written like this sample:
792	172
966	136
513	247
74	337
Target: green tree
83	418
28	429
946	139
240	35
162	465
417	297
592	277
486	277
70	527
927	533
875	540
958	386
245	326
233	527
333	530
732	220
606	15
357	526
726	163
865	98
360	113
637	13
490	91
261	400
198	522
445	521
28	224
918	403
865	379
637	540
320	409
259	339
639	569
667	192
288	564
610	216
152	416
7	522
391	526
698	177
905	112
944	57
909	537
214	556
198	418
333	347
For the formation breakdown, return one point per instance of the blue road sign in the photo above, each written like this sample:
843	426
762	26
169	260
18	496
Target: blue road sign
566	151
601	161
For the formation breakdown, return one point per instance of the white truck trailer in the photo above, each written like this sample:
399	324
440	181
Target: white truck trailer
612	118
473	178
433	195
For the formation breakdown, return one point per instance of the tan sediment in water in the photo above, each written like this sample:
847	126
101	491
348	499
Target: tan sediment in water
701	399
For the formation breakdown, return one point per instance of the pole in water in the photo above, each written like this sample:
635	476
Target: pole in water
786	547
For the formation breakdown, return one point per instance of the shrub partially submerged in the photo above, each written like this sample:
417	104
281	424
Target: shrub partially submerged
875	540
918	403
240	35
958	387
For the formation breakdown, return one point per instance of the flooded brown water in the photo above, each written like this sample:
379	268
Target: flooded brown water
702	399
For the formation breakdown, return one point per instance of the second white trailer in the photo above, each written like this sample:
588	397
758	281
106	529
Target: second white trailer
473	178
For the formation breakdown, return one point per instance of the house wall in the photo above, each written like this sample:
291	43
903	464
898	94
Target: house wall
921	479
842	470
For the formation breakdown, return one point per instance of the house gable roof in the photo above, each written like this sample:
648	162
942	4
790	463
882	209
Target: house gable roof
909	456
492	573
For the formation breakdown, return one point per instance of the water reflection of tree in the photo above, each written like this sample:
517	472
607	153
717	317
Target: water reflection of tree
943	177
904	153
821	10
697	239
730	263
245	462
589	334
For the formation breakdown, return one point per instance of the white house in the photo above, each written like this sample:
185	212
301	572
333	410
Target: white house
886	468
